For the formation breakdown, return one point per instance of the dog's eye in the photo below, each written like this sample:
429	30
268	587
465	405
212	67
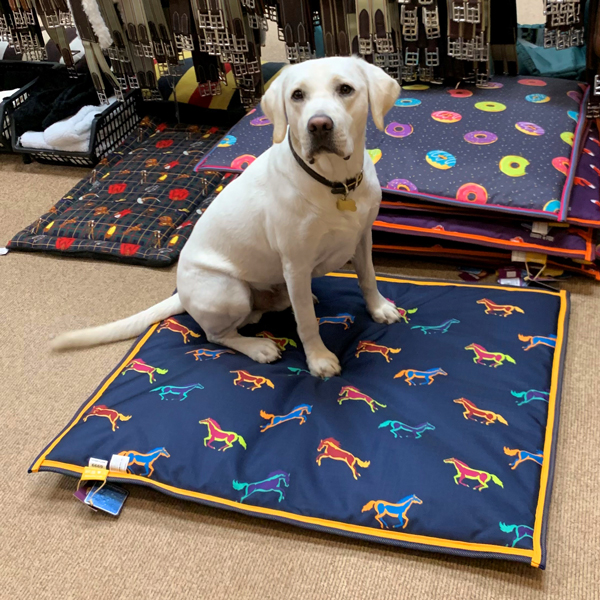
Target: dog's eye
345	89
298	95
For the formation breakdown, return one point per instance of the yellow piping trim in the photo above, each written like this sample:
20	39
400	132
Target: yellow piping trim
130	356
259	510
535	554
539	513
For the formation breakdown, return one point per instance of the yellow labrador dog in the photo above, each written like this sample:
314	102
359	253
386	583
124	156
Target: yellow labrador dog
303	208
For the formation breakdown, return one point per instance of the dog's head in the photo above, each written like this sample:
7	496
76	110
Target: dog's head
326	101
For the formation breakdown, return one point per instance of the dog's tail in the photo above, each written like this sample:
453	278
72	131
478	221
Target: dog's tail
119	330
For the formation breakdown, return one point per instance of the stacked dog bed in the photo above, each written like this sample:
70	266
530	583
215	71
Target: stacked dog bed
508	172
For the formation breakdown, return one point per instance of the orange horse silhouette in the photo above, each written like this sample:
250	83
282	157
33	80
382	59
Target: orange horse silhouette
538	340
281	343
523	455
100	410
366	346
245	379
138	365
206	354
502	310
173	325
144	460
427	376
331	449
472	413
349	392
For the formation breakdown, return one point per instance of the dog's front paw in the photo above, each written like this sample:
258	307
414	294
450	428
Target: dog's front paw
384	312
263	351
323	364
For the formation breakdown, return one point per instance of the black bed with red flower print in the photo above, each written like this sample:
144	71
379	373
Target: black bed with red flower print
140	203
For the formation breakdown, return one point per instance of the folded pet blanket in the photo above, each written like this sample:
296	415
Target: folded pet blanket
4	94
71	135
54	97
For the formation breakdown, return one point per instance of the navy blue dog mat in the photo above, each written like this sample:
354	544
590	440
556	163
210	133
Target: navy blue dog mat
512	146
440	434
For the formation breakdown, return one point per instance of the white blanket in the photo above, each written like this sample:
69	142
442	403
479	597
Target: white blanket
71	135
4	94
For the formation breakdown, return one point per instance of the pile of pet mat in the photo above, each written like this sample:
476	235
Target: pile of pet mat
139	205
508	146
451	159
440	434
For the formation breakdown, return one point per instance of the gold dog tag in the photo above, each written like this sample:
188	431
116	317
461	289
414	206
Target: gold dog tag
345	204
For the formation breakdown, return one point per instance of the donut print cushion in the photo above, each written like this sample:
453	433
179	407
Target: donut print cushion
507	147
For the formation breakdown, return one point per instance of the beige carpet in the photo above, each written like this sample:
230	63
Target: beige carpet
53	547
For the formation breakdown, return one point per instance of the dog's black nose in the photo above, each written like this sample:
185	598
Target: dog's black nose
320	124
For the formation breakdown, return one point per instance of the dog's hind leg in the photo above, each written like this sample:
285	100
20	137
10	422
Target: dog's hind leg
221	304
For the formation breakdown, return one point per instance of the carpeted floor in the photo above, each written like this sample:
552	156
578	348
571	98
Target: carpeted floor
53	547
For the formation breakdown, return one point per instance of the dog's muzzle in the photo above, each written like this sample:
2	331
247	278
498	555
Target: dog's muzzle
321	135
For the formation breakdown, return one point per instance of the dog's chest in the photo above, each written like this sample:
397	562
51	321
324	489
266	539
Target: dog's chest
338	245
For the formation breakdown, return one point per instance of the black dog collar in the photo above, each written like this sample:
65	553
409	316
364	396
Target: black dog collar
337	187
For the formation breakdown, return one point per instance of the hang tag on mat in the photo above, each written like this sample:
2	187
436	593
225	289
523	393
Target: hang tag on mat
108	498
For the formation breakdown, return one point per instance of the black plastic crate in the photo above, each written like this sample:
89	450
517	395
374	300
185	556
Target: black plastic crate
109	129
16	74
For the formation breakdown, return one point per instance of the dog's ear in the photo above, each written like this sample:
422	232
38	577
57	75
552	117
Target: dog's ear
383	91
273	105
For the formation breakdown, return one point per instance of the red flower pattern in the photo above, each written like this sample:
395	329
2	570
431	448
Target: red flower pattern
178	194
128	249
117	188
64	243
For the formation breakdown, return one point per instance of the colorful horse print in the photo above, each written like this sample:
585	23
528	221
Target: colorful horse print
501	310
112	415
172	325
298	412
463	471
415	432
206	354
481	355
366	346
530	396
472	413
245	379
521	532
403	312
138	365
389	509
144	460
180	392
443	328
538	340
281	343
349	392
297	371
427	376
216	434
331	449
272	483
523	455
339	319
